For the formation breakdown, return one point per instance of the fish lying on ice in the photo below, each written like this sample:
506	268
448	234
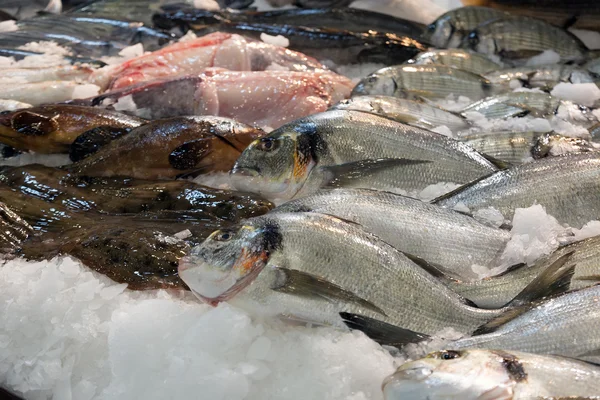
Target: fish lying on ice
457	58
498	374
544	77
38	93
59	73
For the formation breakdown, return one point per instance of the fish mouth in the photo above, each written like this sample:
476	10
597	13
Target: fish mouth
417	373
245	171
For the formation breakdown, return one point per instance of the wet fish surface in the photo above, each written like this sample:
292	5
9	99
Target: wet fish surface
544	77
457	58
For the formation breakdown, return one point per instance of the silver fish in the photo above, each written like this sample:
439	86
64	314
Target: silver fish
430	81
517	39
353	149
314	267
567	186
492	374
516	104
457	58
451	27
450	240
410	112
542	76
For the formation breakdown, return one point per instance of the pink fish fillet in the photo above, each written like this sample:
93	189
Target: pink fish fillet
223	50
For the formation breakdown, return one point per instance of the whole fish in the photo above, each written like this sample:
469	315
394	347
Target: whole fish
565	186
165	149
351	19
266	99
340	46
312	267
52	128
564	325
429	81
494	292
517	39
457	58
518	147
544	77
189	57
451	27
451	241
478	374
421	115
352	149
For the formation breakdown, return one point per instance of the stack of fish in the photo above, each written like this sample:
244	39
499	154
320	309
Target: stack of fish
351	242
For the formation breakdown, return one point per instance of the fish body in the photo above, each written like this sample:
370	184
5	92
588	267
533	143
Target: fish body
516	104
563	185
450	240
45	92
52	128
458	58
476	374
544	77
311	267
165	149
59	73
352	149
421	115
430	81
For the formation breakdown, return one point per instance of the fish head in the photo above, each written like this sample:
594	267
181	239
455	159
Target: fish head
229	260
449	374
275	166
381	83
442	34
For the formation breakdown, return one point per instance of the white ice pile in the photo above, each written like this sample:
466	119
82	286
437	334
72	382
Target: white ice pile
68	333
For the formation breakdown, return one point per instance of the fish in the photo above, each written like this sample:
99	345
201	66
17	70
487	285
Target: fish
223	50
457	58
517	39
495	291
171	147
15	230
563	325
449	241
421	115
268	98
352	149
53	128
59	73
313	267
103	195
544	77
338	46
563	185
499	374
430	81
450	28
518	147
351	19
38	93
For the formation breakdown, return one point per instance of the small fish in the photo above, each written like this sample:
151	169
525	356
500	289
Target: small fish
353	149
450	241
165	149
544	77
494	374
564	185
52	128
457	58
517	39
429	81
421	115
451	27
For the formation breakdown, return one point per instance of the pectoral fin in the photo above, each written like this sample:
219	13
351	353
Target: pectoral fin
381	332
189	154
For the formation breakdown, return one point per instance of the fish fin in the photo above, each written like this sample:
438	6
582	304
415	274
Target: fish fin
572	20
341	219
510	269
189	154
519	54
300	283
344	174
496	162
382	332
554	280
89	142
505	317
432	268
588	278
32	124
459	189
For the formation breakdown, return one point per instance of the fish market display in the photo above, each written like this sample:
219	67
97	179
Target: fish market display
168	148
544	77
353	149
474	374
458	58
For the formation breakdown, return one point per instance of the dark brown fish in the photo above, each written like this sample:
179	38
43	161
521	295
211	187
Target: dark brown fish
171	147
52	128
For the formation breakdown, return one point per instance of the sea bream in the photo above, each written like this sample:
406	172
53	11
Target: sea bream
457	58
492	374
353	149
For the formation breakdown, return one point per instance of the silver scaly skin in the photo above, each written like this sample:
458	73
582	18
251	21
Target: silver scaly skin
409	112
430	81
457	58
516	104
492	374
450	240
353	149
496	291
567	186
566	325
311	267
541	76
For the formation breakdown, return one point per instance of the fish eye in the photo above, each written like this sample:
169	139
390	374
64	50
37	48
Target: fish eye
431	27
473	39
223	236
268	144
449	355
